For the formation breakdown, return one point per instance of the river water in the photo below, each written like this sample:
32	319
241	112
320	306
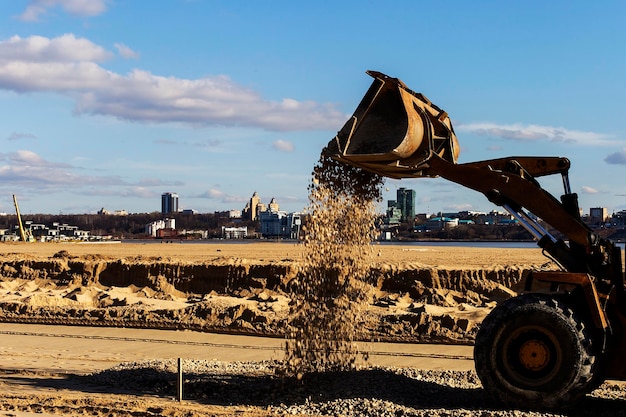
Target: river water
445	243
469	244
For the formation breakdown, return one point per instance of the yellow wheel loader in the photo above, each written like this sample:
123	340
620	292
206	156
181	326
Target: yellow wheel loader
566	333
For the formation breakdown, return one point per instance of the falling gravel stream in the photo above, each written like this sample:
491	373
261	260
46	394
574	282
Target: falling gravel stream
330	288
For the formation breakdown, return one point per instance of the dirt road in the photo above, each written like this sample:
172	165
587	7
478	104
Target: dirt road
81	350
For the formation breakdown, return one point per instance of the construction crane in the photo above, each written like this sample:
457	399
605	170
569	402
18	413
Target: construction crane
24	235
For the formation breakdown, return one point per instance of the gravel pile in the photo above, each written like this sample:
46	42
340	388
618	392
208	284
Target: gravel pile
370	391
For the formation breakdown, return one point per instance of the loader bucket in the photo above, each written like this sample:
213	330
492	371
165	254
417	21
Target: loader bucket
394	132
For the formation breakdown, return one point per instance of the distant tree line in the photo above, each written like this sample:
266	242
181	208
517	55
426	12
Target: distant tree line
131	225
470	232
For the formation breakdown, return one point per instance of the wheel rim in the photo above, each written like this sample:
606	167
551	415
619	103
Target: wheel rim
531	357
534	355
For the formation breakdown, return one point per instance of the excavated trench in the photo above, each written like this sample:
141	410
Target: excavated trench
408	302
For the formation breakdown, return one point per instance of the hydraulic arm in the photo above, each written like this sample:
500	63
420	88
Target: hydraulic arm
507	183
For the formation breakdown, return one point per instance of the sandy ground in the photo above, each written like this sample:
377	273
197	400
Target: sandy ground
81	350
36	359
438	256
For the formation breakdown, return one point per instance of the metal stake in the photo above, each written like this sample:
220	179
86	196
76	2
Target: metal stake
180	379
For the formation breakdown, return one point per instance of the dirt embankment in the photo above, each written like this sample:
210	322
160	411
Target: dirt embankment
409	300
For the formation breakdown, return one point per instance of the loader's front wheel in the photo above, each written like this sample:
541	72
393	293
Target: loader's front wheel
533	351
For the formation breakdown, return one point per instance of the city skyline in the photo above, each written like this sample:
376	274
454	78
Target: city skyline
99	111
404	201
383	206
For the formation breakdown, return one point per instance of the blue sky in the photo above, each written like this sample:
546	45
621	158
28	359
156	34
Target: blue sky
110	103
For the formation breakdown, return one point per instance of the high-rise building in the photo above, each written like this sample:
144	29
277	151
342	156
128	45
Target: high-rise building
598	214
405	200
169	203
253	207
255	200
273	205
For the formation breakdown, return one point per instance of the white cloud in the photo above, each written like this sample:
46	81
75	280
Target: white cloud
589	190
214	193
37	8
521	132
125	51
283	145
64	49
140	192
618	158
217	194
68	66
27	158
25	168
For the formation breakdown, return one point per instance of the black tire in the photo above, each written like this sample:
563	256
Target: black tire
533	351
